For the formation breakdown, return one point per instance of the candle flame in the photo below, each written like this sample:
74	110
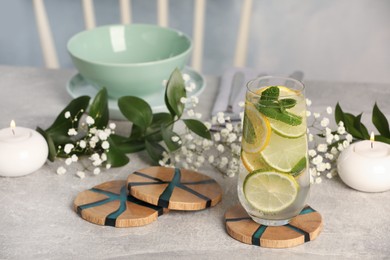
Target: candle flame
12	125
372	137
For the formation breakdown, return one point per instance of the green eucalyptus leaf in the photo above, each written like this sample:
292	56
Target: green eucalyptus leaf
382	139
137	132
167	135
136	110
153	132
126	144
61	125
198	128
155	151
50	143
380	122
360	127
338	114
115	156
99	109
174	92
349	124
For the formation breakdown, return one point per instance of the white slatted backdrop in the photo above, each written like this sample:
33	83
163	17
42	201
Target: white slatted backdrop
50	54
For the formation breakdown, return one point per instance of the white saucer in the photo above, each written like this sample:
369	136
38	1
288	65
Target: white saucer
77	86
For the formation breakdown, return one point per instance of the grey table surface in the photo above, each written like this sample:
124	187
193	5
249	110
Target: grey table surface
37	220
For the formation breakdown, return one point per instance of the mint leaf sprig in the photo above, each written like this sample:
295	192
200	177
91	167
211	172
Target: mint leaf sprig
271	106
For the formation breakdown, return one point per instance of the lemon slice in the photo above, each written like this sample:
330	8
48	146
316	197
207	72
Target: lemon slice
256	130
270	191
283	154
253	161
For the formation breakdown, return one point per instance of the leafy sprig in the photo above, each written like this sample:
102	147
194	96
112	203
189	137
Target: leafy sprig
153	132
358	130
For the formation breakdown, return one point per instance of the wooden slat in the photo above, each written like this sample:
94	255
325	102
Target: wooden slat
198	34
162	12
242	39
125	11
89	14
47	44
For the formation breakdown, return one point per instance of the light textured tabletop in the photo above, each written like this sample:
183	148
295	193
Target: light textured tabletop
37	220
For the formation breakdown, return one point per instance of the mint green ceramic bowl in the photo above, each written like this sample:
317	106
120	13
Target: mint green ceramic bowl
129	59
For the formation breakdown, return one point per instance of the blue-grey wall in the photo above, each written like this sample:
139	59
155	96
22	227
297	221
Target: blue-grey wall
343	40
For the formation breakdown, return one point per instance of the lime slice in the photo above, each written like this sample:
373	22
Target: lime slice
256	130
283	154
270	191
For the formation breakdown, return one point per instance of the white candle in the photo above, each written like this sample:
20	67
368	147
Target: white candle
22	151
365	166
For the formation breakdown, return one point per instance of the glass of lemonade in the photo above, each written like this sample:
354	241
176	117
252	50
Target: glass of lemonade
274	180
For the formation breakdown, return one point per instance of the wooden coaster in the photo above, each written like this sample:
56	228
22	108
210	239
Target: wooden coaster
174	188
303	228
109	204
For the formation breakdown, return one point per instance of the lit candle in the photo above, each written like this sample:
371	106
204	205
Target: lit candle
365	166
22	151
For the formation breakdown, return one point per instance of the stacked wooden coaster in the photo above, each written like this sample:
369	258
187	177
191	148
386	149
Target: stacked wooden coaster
147	194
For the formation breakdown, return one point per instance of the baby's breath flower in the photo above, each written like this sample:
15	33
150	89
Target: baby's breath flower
175	138
324	122
90	120
349	138
211	159
67	114
68	161
82	144
317	160
61	170
308	102
312	153
102	135
183	100
112	126
341	130
68	148
72	132
108	166
80	174
322	148
316	115
221	148
105	145
74	158
329	110
96	171
308	113
190	113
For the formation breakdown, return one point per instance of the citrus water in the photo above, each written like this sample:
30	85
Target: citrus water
273	183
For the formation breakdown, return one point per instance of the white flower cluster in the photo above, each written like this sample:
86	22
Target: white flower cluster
325	145
93	141
222	152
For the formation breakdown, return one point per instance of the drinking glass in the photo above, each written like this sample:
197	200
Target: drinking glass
274	181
